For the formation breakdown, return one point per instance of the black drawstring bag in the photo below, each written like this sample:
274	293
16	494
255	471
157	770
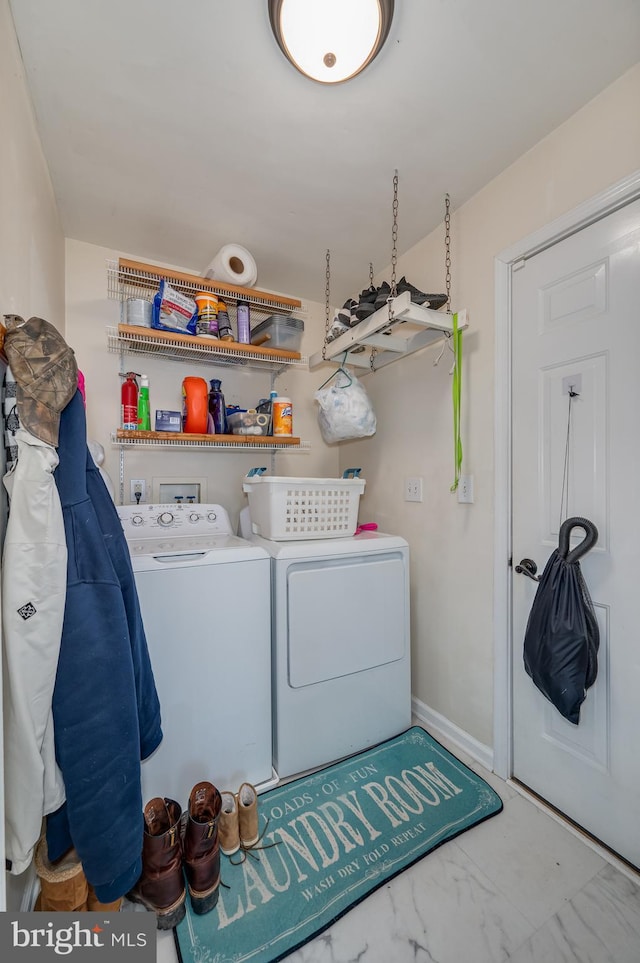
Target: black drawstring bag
562	637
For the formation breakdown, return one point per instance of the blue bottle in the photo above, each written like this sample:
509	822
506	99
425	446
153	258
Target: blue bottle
218	408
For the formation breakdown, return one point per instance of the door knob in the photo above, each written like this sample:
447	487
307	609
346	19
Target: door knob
529	568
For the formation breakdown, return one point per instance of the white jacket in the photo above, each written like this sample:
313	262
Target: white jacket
34	579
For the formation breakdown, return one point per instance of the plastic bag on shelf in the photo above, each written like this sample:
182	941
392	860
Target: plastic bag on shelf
173	311
345	410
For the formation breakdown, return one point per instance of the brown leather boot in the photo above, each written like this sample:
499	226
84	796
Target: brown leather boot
201	850
161	885
63	885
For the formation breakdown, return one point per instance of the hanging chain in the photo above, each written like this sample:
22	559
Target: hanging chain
373	350
394	246
447	249
394	236
394	258
327	276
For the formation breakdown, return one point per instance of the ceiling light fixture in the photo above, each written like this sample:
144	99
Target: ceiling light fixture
330	40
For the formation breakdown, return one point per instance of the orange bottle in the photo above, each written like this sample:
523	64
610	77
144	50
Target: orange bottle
195	406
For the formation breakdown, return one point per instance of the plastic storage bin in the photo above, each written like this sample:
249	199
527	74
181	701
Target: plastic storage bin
248	423
285	509
279	331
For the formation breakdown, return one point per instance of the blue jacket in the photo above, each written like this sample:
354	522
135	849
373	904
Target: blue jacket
106	711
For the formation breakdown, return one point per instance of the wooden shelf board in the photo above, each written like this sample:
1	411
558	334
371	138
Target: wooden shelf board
214	344
240	440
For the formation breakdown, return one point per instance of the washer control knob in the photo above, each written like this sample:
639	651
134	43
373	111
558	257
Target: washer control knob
211	516
136	519
194	517
165	518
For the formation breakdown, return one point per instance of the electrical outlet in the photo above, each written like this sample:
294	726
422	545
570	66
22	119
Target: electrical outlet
413	489
465	489
138	487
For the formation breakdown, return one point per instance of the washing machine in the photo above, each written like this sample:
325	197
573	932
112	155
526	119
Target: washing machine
205	600
341	664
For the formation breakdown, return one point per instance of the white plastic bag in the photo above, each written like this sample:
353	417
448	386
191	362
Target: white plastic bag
345	409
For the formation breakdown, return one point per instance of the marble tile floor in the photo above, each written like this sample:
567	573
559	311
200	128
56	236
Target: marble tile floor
520	887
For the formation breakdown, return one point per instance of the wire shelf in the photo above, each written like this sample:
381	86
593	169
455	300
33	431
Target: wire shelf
132	279
180	348
199	443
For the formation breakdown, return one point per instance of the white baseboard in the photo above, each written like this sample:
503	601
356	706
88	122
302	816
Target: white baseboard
439	725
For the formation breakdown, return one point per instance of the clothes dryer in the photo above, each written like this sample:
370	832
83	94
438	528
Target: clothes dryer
205	600
341	646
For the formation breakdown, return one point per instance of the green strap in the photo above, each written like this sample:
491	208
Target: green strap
456	389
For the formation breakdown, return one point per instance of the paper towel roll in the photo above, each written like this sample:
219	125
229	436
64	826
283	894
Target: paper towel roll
233	264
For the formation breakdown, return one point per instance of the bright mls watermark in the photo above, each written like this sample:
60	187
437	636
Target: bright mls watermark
78	937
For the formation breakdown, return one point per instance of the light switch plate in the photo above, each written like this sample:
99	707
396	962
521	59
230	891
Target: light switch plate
465	489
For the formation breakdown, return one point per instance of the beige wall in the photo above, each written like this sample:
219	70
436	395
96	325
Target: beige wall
89	312
31	239
452	544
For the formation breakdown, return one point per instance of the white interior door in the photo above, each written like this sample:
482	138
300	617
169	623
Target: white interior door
576	321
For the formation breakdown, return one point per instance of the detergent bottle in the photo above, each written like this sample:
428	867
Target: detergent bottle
144	410
194	406
217	409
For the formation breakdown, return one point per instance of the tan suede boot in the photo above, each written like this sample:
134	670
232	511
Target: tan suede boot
63	886
248	815
228	829
95	906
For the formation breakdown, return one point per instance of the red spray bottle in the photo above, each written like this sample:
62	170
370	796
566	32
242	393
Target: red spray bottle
129	401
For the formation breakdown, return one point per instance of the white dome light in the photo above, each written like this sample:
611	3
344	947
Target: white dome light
330	40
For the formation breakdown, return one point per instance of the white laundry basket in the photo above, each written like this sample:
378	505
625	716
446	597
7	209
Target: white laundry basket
284	509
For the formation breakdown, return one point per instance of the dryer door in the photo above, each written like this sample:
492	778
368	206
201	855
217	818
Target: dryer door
345	616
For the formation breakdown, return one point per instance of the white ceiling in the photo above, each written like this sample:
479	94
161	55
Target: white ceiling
172	128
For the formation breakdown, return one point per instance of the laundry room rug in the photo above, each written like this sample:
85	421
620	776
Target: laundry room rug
340	833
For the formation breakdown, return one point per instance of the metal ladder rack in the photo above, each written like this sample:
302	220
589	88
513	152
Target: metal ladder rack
413	327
